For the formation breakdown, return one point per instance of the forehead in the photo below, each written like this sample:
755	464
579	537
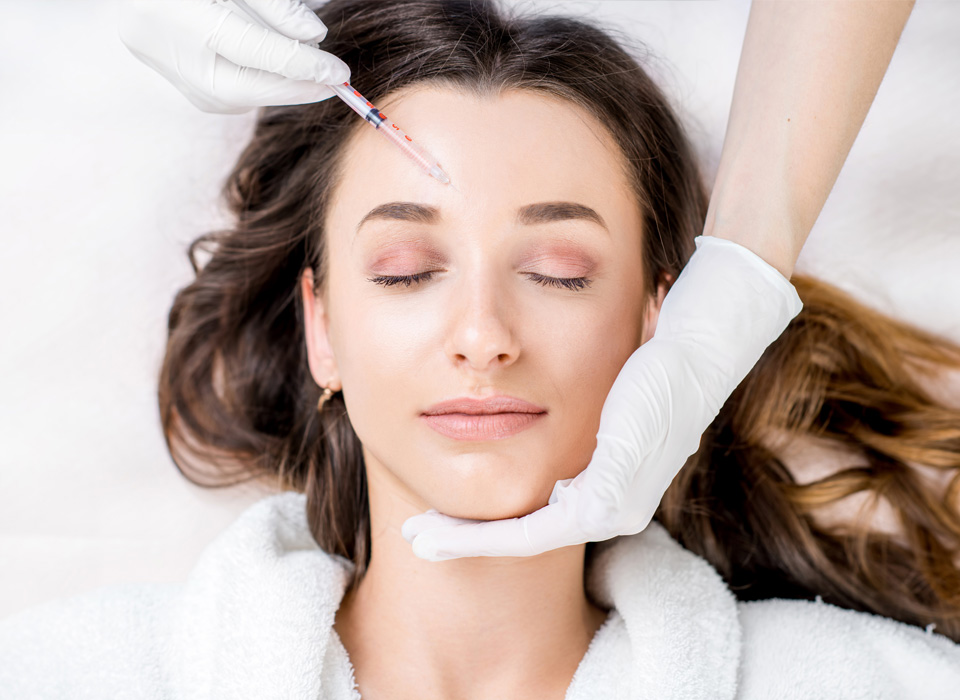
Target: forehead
502	152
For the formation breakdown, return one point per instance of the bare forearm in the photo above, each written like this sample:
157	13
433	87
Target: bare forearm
808	74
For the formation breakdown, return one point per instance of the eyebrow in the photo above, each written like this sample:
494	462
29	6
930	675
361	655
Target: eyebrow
539	213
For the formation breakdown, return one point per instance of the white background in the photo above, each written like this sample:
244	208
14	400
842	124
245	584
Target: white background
107	173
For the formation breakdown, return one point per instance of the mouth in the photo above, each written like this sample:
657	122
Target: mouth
492	418
481	426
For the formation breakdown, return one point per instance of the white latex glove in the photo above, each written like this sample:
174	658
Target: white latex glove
725	308
225	63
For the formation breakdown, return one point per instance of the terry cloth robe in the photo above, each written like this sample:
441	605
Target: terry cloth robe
254	619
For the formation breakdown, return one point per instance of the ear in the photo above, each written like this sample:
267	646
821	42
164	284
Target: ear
323	364
652	312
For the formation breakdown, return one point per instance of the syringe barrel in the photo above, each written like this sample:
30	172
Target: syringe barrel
358	103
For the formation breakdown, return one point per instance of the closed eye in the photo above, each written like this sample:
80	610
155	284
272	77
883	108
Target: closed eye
572	283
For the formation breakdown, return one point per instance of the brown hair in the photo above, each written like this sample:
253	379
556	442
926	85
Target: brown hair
849	376
238	403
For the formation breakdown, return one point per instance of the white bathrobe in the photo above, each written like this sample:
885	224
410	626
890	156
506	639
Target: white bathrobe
255	618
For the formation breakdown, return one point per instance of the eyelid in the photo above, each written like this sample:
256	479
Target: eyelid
569	267
406	280
566	257
403	255
572	283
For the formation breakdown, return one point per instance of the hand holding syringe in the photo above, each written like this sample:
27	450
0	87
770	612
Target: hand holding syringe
227	58
362	106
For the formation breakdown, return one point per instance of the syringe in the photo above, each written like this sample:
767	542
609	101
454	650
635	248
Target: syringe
362	106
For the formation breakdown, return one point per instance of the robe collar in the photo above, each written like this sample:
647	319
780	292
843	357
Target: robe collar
255	617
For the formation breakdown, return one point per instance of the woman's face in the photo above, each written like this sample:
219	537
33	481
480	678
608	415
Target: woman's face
530	170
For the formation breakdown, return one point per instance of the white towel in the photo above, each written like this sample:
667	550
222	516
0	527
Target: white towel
254	619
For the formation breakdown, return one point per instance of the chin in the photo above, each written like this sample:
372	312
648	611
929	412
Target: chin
480	504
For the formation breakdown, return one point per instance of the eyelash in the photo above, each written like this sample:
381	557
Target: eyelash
575	284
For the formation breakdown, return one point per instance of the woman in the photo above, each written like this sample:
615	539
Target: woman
817	65
325	281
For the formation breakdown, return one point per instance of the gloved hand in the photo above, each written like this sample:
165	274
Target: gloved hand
225	63
725	308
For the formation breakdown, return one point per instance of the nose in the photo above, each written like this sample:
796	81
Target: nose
482	332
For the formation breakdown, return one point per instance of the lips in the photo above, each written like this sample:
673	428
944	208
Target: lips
493	418
487	406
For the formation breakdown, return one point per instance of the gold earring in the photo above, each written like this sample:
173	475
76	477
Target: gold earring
327	393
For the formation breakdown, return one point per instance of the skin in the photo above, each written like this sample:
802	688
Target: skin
489	626
808	74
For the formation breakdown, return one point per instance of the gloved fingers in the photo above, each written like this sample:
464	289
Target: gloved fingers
291	18
249	45
238	86
440	538
416	524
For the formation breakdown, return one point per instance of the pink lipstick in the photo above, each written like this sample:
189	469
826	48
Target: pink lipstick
493	418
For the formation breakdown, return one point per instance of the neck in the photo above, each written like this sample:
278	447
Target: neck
467	628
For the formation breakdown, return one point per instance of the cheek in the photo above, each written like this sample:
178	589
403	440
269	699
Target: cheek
376	341
592	361
380	349
389	340
586	364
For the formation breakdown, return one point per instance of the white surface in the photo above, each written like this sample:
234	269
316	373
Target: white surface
108	173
